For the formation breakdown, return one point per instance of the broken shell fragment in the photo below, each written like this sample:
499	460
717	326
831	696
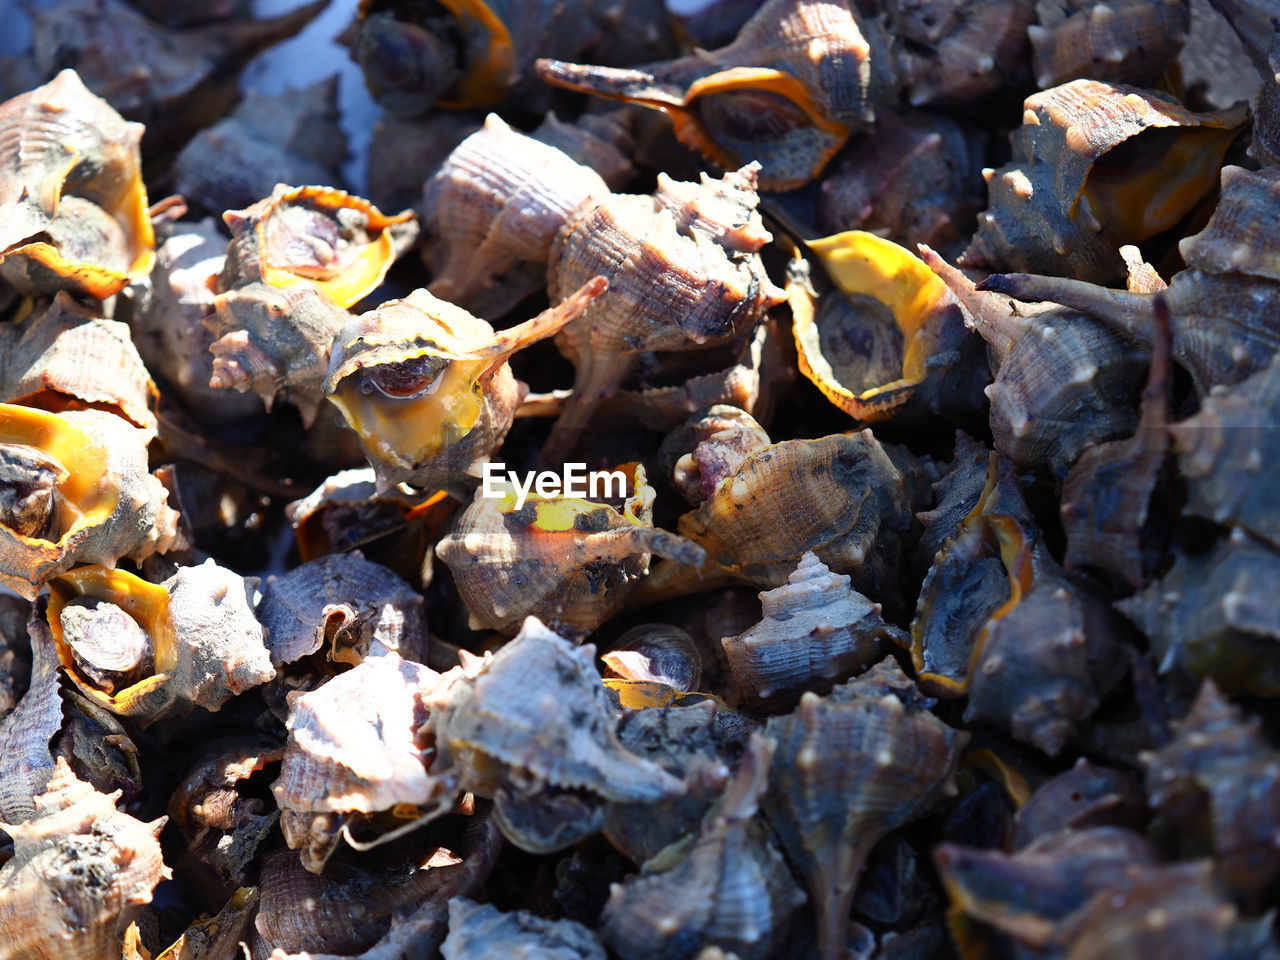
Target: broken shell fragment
75	489
61	143
197	628
816	631
569	560
532	727
428	388
849	768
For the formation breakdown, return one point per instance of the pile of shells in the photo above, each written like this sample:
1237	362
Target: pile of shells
793	480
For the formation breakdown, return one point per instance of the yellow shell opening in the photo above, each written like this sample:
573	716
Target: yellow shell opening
558	514
147	603
350	280
863	264
490	77
88	492
1148	197
413	430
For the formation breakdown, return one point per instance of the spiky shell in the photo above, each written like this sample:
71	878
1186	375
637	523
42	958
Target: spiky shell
1129	41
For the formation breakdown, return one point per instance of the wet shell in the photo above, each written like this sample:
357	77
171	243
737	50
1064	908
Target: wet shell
656	653
202	641
58	134
221	821
915	178
1123	41
75	490
788	91
848	769
290	138
344	604
532	728
816	631
47	909
683	273
427	386
68	357
729	886
492	211
1209	617
355	748
890	340
708	448
570	561
1083	180
1062	380
1217	782
477	932
959	51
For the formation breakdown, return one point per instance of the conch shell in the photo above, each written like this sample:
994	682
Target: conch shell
59	135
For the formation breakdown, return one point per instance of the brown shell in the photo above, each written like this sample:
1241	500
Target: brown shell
788	91
344	604
222	822
849	768
492	211
840	496
393	909
816	631
15	658
955	493
427	387
1122	41
166	319
355	749
68	357
729	886
175	82
207	645
1217	783
914	178
477	932
708	447
531	727
1209	616
62	133
47	909
1082	182
1062	380
655	653
26	733
293	137
959	51
683	273
98	502
570	561
1086	796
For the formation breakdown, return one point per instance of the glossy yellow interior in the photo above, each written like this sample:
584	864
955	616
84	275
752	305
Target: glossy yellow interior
559	514
147	603
863	264
1156	195
413	429
489	78
89	494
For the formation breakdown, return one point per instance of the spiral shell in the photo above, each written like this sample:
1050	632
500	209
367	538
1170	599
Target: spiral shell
76	490
58	134
816	630
849	768
1125	41
1081	183
200	643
